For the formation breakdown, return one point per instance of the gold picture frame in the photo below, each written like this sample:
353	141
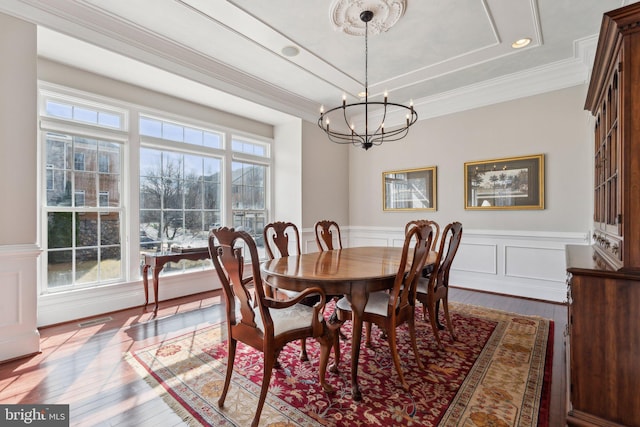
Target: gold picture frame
508	183
409	189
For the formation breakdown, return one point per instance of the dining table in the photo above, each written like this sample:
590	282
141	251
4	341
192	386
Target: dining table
354	272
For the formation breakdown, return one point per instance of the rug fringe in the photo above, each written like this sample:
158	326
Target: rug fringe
175	406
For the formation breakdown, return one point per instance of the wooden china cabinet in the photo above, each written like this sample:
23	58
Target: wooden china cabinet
603	332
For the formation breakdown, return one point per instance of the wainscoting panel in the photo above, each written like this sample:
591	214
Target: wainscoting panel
523	263
518	263
11	290
19	335
477	258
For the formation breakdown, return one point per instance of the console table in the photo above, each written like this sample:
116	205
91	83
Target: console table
156	261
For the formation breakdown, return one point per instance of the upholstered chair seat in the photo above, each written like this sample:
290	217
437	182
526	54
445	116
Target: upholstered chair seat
377	303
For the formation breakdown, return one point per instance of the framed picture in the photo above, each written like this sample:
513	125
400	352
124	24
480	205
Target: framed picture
409	189
510	183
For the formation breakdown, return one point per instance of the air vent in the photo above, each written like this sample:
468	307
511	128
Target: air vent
95	322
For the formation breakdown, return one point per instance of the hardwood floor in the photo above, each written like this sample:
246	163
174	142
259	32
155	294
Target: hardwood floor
84	366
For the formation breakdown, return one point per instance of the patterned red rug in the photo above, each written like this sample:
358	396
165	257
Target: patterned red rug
497	373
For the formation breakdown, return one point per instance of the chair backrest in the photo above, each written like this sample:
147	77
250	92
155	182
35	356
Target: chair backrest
434	225
278	238
403	294
326	233
451	237
225	247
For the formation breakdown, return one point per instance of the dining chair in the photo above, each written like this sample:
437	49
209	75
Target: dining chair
432	224
428	268
435	288
327	232
391	309
279	238
254	319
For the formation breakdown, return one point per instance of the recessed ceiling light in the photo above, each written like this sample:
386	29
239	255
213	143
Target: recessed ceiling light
518	44
290	51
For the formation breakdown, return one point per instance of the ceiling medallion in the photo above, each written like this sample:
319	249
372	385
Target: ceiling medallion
345	15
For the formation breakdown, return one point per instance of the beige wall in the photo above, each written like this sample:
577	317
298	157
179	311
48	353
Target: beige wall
18	131
325	178
553	124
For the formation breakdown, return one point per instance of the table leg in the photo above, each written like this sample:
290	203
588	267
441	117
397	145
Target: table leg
358	300
145	282
156	274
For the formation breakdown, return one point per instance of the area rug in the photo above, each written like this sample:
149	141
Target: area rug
497	373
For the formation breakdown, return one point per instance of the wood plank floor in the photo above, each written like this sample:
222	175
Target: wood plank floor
84	366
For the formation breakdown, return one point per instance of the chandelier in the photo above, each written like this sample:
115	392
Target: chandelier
372	134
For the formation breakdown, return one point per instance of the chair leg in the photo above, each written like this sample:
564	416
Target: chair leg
414	343
327	340
440	325
269	360
445	303
334	328
434	325
303	350
391	334
227	378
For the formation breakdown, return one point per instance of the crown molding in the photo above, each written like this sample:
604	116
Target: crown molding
82	21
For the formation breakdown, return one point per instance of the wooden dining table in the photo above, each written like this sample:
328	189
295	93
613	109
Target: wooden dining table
353	272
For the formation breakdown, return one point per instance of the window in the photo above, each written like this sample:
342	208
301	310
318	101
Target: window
103	199
82	247
103	163
82	211
192	177
248	197
84	114
182	184
249	178
176	132
78	161
50	178
78	198
180	198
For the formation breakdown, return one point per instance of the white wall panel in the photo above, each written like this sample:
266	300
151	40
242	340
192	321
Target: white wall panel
549	265
477	258
19	335
10	301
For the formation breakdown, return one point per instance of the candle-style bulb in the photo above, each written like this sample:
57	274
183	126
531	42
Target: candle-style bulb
385	96
344	99
321	109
